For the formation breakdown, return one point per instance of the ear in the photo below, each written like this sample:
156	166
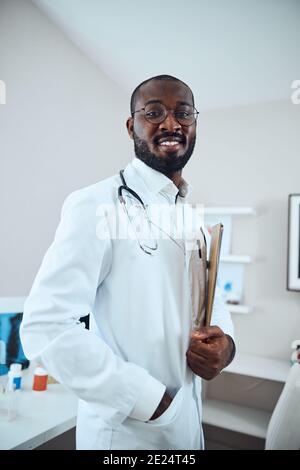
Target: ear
129	125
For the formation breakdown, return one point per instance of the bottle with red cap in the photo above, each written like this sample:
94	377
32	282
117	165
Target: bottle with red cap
40	379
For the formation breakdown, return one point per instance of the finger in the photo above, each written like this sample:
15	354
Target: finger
201	367
213	348
206	332
195	359
201	349
197	364
214	332
201	333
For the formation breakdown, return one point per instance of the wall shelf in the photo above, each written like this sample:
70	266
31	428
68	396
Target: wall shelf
236	259
248	420
236	418
241	309
229	211
242	419
259	367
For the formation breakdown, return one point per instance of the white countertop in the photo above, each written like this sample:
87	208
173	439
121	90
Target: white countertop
41	416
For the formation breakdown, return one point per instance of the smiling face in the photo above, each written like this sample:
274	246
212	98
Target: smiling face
166	146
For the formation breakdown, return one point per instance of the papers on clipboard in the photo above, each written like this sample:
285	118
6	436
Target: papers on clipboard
206	272
212	269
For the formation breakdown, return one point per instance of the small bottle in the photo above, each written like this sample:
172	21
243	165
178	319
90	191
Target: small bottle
40	379
11	395
15	376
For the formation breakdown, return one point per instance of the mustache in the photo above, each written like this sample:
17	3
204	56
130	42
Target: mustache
164	135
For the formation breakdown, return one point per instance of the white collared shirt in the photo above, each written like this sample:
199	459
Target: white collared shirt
140	305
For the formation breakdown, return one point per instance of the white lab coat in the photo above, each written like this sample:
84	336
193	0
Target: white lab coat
141	319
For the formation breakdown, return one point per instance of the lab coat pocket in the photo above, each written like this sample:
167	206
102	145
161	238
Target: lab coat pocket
171	412
177	428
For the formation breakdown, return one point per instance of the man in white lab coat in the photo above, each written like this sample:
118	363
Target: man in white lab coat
137	370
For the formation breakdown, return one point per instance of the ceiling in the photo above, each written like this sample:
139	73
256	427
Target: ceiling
231	52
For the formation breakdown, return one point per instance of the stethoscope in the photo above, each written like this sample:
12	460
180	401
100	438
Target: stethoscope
146	248
129	190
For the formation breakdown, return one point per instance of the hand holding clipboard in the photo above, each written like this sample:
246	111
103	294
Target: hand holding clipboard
202	334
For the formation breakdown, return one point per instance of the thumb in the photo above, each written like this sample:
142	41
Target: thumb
206	332
199	334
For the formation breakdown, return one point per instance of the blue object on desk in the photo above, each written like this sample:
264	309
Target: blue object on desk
11	350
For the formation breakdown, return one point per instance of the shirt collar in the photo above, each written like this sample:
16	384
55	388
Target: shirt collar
157	182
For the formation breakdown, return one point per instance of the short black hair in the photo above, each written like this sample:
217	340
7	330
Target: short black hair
163	78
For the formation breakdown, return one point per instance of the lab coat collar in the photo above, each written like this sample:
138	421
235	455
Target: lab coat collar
156	182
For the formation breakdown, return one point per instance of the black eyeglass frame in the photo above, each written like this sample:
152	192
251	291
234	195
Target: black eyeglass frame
173	112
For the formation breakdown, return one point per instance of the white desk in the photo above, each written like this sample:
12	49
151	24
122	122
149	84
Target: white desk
41	416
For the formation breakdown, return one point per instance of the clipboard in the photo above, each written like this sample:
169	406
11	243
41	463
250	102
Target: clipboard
198	272
208	274
212	269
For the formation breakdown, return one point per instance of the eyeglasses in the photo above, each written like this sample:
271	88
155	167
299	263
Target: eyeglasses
156	113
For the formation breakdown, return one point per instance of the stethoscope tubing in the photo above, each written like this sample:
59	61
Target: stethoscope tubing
124	187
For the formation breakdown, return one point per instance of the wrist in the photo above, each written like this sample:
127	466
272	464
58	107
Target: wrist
232	350
163	405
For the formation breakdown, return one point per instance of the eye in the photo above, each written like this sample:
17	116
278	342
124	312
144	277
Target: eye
182	114
154	113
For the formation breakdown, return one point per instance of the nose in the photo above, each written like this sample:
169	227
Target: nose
170	123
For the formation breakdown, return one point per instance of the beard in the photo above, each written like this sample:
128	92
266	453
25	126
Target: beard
169	163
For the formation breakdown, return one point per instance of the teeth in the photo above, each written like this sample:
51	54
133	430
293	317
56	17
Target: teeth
171	143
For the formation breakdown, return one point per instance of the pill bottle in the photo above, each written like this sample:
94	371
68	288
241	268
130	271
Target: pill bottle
15	376
40	379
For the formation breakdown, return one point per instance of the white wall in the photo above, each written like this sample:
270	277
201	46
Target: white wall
250	156
54	139
53	135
